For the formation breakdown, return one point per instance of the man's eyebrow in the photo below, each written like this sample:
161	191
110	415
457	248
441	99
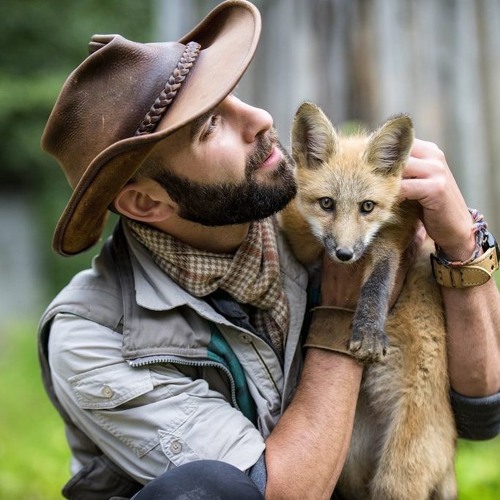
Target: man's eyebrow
197	123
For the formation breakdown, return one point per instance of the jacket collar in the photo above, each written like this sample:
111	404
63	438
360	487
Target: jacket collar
154	289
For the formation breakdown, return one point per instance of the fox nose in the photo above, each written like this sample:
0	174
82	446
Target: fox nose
344	254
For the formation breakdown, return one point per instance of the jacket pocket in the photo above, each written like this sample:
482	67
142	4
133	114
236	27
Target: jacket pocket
130	405
176	448
109	387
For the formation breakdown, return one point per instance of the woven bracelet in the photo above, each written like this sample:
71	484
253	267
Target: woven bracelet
479	229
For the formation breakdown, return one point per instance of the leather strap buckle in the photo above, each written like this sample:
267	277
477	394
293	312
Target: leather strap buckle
477	272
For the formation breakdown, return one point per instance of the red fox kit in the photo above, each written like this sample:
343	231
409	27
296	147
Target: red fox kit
403	441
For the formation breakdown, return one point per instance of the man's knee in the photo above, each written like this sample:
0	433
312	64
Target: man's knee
205	479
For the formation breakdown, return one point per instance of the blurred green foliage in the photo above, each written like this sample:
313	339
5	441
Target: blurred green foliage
42	43
50	36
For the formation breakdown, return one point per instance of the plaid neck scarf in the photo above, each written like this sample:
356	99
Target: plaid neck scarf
251	275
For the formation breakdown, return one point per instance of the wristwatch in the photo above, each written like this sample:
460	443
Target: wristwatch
474	273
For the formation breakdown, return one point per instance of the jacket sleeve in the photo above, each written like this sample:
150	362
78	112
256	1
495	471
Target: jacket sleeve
476	418
144	419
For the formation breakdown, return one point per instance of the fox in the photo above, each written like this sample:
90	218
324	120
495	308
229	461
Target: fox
348	205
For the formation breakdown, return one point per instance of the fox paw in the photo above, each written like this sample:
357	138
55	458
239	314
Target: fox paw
368	346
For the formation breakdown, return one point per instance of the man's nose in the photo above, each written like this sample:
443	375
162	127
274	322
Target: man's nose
253	121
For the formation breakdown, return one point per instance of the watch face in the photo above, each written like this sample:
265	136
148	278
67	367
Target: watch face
497	251
490	242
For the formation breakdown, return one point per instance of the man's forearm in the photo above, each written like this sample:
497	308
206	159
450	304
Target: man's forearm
307	449
473	325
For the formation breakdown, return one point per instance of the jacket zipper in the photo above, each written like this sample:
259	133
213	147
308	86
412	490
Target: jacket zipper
182	361
265	366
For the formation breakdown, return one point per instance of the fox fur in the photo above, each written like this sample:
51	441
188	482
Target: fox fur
403	441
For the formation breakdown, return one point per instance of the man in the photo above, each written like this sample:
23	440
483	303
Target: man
176	360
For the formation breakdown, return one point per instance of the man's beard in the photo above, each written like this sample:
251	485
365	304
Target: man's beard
229	203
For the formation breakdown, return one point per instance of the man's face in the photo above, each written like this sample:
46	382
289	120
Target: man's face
227	167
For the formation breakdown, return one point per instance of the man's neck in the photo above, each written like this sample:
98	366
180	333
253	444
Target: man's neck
217	239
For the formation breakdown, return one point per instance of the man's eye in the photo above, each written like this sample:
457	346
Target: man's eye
211	125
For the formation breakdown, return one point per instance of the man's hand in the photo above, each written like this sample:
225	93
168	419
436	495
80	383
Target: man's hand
428	179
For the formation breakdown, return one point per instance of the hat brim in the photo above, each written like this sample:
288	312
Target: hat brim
228	37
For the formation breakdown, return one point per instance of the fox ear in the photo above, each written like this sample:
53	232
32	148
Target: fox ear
389	146
314	140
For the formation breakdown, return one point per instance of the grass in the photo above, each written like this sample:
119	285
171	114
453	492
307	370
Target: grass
34	457
478	470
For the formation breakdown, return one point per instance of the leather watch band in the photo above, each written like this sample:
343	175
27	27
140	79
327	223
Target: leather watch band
475	273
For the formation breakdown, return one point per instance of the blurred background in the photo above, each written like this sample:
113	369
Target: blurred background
360	60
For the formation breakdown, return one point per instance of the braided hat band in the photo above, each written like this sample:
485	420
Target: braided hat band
167	95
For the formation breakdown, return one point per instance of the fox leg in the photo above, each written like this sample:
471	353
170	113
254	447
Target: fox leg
368	339
411	464
447	488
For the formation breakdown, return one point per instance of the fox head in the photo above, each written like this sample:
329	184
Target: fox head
348	186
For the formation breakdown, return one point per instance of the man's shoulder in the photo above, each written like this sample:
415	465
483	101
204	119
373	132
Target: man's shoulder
94	293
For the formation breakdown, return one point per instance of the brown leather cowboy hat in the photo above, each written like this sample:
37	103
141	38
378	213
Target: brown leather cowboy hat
126	96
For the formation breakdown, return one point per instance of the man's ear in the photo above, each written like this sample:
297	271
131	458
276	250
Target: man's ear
144	200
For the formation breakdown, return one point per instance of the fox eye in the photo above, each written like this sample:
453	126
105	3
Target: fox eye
367	206
326	203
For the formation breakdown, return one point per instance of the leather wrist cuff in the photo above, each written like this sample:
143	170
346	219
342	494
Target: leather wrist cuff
475	273
330	329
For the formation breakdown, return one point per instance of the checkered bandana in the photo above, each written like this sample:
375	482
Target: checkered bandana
251	275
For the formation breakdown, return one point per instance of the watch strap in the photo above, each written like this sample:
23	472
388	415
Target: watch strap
477	272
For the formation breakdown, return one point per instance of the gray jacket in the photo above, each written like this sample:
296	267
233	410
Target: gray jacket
148	377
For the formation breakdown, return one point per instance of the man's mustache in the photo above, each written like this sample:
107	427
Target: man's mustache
265	144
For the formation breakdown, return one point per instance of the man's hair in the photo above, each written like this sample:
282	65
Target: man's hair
151	166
